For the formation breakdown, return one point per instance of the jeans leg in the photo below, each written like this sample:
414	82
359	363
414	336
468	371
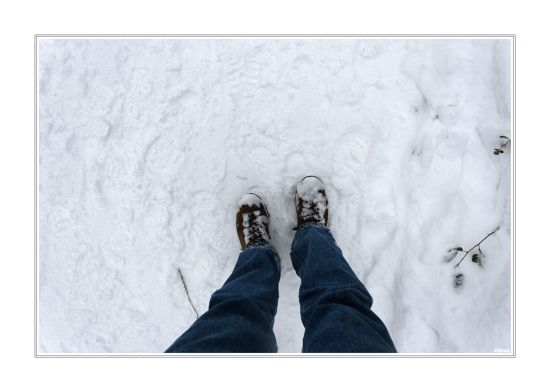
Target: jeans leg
335	306
240	315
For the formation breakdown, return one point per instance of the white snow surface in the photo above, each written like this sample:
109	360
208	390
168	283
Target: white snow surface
146	146
249	199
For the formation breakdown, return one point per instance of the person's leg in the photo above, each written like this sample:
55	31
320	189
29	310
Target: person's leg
335	306
240	315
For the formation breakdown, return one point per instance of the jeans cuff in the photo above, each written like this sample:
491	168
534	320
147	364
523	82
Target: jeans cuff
300	232
306	226
268	246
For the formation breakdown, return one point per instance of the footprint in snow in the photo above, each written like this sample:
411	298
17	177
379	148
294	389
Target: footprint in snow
349	157
165	154
379	223
368	49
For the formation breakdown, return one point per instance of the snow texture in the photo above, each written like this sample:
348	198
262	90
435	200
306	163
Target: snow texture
146	146
249	199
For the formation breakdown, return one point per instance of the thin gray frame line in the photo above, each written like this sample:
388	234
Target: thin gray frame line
35	196
297	355
514	157
270	355
284	35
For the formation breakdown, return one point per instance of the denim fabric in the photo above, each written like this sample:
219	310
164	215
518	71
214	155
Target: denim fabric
240	315
334	304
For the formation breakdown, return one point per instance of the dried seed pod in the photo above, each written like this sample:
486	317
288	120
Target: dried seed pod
458	280
451	254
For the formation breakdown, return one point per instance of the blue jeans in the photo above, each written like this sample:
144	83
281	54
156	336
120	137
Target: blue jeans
335	306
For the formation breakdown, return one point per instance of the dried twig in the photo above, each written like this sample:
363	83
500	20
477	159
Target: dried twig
504	142
187	292
476	246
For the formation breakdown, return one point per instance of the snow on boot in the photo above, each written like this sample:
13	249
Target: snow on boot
311	202
252	221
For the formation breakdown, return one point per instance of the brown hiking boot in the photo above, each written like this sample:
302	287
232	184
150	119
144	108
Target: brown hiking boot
252	221
311	202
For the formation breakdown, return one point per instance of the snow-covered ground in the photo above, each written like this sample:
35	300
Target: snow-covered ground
145	147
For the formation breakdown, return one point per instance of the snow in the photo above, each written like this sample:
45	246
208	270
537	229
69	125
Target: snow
249	199
146	146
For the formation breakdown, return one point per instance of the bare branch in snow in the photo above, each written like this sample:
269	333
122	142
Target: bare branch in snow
187	292
476	246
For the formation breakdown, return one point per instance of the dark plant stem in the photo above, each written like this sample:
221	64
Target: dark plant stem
476	246
187	292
